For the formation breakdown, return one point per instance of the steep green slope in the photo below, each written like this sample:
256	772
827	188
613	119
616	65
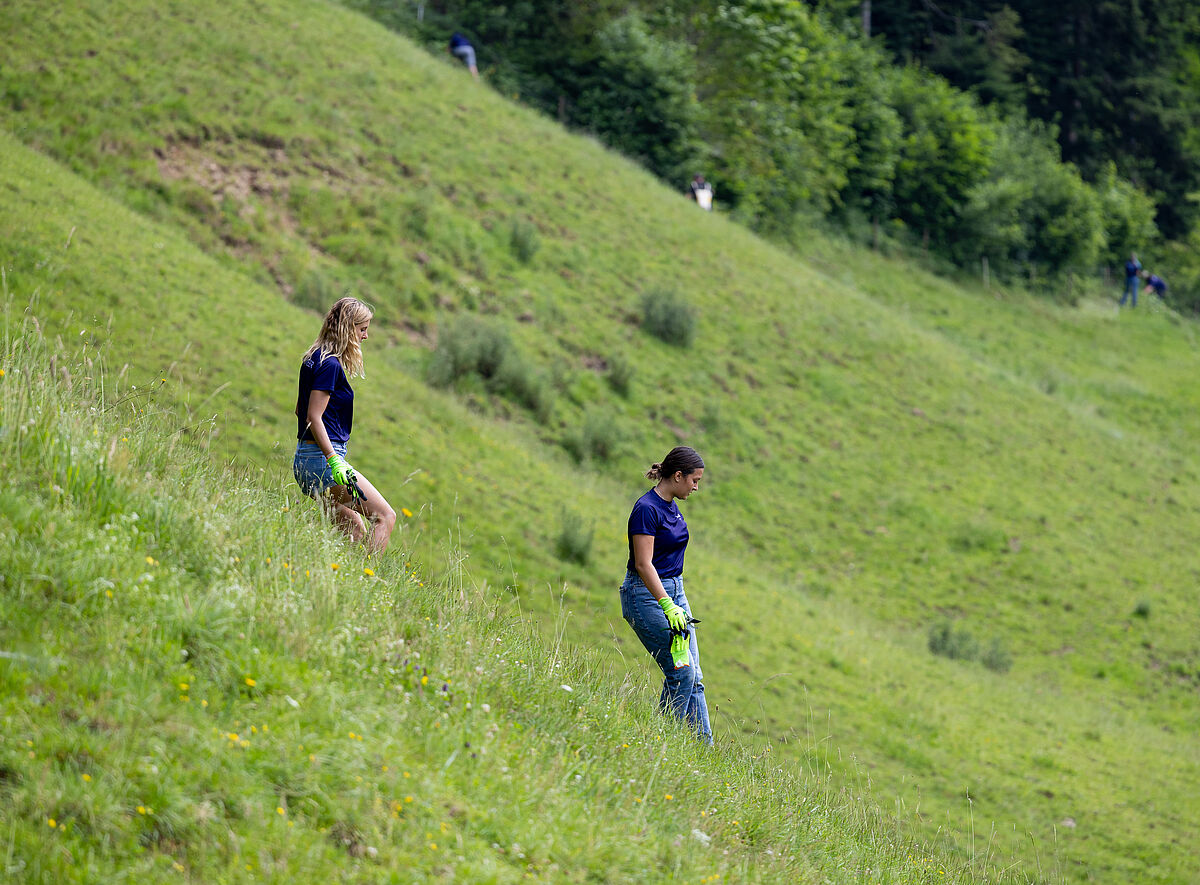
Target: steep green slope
201	685
869	474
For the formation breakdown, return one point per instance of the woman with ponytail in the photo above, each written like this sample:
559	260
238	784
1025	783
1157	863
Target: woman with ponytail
324	413
652	598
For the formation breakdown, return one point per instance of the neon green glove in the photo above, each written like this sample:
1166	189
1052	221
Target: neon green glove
343	473
676	616
679	650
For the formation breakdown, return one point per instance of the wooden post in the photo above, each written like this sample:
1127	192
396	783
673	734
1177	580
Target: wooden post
866	18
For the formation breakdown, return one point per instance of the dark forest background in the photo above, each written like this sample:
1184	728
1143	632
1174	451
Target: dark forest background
1050	139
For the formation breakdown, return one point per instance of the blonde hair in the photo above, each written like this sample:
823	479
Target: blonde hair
339	335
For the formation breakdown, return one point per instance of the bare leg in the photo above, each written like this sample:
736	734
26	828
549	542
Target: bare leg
374	507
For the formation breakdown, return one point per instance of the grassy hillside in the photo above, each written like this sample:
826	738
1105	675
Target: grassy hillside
202	685
886	451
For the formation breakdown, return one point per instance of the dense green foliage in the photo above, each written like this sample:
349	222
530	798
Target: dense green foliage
887	450
793	115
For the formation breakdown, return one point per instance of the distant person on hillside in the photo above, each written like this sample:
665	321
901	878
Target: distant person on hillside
324	413
1133	269
652	599
1155	284
460	47
702	192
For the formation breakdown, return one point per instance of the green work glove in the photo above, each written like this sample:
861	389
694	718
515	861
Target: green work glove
676	617
679	650
343	473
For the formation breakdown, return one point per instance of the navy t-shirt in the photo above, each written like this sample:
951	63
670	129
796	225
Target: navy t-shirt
1158	283
1132	267
326	375
653	516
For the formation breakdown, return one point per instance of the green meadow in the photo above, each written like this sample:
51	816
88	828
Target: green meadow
894	458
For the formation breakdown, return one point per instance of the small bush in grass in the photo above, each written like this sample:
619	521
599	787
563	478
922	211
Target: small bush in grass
959	645
1142	609
667	316
956	644
523	240
620	375
574	542
470	346
596	437
517	380
316	292
996	657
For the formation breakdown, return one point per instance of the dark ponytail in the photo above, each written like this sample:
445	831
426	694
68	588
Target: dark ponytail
681	459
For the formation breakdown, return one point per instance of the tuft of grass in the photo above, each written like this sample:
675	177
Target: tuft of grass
523	239
597	438
952	642
620	375
574	541
470	346
669	317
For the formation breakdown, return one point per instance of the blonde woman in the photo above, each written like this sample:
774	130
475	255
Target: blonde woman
324	413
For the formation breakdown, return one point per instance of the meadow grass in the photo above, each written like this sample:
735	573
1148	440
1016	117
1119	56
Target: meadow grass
202	682
887	449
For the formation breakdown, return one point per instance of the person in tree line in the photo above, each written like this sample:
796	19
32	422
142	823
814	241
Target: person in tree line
460	47
701	191
652	598
324	415
1155	284
1133	269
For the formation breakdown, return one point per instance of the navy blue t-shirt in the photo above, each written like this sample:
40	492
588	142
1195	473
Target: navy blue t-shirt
653	516
325	375
1157	283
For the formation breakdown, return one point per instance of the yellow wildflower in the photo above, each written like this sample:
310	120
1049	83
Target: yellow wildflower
407	513
250	682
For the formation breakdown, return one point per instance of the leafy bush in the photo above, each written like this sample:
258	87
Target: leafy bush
470	346
620	375
574	541
1033	210
638	96
948	642
316	292
1142	609
597	437
667	316
959	645
997	657
523	240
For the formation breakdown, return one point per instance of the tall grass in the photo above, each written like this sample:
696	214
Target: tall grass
201	679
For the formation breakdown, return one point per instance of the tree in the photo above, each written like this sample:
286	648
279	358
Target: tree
944	152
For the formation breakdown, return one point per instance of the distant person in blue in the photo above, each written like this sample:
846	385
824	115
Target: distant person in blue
652	598
324	414
1133	269
460	47
1155	284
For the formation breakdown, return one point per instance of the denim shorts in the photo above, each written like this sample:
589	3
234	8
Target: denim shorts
466	53
312	470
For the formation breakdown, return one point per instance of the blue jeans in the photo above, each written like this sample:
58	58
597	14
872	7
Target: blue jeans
1131	287
311	469
683	688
